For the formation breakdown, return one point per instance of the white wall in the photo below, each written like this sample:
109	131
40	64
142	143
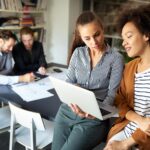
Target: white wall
60	20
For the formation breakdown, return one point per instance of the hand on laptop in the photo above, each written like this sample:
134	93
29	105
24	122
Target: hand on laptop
76	109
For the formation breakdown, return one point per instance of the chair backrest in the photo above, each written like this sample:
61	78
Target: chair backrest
5	116
25	117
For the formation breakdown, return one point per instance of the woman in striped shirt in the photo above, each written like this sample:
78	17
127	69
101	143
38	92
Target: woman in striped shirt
94	66
133	97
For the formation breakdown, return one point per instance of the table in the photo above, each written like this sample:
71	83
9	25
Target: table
47	107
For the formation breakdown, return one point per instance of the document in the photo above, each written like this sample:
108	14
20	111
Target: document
35	90
28	93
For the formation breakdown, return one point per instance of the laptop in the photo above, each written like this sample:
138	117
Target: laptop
85	99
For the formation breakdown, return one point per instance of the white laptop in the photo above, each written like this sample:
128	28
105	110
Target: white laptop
85	99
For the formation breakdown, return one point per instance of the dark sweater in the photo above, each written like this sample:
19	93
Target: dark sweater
28	61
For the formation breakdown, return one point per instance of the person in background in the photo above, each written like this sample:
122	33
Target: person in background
28	54
7	41
132	129
95	66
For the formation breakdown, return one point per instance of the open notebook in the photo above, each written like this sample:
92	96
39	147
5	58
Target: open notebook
85	99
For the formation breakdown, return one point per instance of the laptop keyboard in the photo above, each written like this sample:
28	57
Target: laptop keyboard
104	112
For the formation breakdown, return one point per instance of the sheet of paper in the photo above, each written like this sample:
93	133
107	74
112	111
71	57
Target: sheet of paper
43	84
28	93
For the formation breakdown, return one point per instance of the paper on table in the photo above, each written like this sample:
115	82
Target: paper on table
28	93
43	84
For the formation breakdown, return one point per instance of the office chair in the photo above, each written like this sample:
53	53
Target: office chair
5	117
34	132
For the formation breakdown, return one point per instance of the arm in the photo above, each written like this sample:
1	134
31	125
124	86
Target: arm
142	122
42	60
115	78
8	80
124	101
8	64
70	76
120	145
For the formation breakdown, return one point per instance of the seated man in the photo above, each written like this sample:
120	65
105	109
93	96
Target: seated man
28	54
7	41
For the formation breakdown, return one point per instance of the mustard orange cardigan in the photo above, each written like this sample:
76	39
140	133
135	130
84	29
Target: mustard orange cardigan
125	102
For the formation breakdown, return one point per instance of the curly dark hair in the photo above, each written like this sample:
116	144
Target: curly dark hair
140	17
7	34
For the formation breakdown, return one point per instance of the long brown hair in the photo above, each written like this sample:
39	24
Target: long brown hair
85	18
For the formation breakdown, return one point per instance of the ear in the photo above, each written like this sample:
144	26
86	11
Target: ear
1	41
146	38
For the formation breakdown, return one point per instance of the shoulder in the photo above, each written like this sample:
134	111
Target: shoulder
37	43
132	65
113	54
81	50
18	46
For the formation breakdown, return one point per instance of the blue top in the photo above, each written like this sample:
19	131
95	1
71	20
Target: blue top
5	63
103	79
6	68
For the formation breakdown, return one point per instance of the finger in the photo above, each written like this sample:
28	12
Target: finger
77	110
72	107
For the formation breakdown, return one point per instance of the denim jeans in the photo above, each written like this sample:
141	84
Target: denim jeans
72	132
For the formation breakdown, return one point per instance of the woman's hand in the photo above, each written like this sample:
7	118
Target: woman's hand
116	145
42	70
142	122
144	125
120	145
76	109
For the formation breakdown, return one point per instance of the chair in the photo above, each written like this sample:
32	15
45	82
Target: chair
5	117
34	132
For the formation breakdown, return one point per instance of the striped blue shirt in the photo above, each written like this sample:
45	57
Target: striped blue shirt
103	79
141	99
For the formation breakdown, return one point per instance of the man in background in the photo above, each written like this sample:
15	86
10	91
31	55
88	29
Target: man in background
7	41
28	54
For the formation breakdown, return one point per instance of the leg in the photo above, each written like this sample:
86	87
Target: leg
85	136
63	126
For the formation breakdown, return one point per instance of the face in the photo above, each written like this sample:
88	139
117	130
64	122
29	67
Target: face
27	40
7	45
92	35
133	41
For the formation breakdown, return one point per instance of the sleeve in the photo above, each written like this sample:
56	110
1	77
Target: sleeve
71	75
42	60
8	65
121	102
115	78
8	80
